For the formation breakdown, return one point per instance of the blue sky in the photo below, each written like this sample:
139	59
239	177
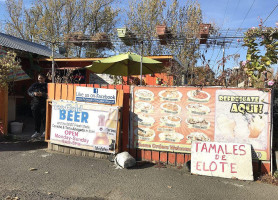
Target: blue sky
231	13
228	15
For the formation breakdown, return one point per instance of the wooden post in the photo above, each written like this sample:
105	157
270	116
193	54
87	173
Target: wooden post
4	111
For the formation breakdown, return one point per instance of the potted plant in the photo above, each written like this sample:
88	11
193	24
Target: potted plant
204	32
126	36
101	40
163	33
76	38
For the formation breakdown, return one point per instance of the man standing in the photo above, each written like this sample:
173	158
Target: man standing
38	92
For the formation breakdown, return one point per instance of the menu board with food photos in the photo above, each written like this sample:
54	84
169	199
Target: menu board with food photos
170	118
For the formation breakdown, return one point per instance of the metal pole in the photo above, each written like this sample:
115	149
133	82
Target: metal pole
141	63
225	82
237	77
52	63
271	132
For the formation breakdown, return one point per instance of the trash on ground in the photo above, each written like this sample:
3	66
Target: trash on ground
124	160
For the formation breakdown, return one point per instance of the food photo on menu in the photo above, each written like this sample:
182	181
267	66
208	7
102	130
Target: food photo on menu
171	120
145	120
197	122
145	95
144	107
170	95
197	136
146	134
171	137
197	108
171	108
198	96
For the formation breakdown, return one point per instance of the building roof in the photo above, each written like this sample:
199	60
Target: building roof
27	46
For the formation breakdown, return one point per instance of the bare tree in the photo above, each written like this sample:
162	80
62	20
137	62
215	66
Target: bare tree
48	21
183	22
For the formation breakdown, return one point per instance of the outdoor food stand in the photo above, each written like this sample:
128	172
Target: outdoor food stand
165	121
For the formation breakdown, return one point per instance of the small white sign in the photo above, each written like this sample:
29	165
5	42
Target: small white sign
227	160
96	95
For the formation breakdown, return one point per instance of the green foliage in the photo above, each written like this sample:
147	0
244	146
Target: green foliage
8	63
256	62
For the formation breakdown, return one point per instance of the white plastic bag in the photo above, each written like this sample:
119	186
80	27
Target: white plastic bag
124	160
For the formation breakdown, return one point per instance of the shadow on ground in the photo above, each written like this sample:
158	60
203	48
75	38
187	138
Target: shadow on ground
14	145
142	165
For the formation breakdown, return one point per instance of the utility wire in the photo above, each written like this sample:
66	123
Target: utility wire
270	14
226	32
219	50
245	17
262	23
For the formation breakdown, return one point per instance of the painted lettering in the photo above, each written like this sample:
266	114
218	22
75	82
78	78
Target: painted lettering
212	147
211	165
226	150
197	144
220	148
233	165
198	165
242	149
235	150
204	147
223	165
204	167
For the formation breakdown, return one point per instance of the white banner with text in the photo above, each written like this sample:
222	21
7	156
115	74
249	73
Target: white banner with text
227	160
96	95
84	125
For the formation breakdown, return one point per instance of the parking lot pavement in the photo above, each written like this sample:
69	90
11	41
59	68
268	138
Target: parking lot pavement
30	171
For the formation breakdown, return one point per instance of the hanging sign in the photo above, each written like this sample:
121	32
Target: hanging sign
227	160
96	95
